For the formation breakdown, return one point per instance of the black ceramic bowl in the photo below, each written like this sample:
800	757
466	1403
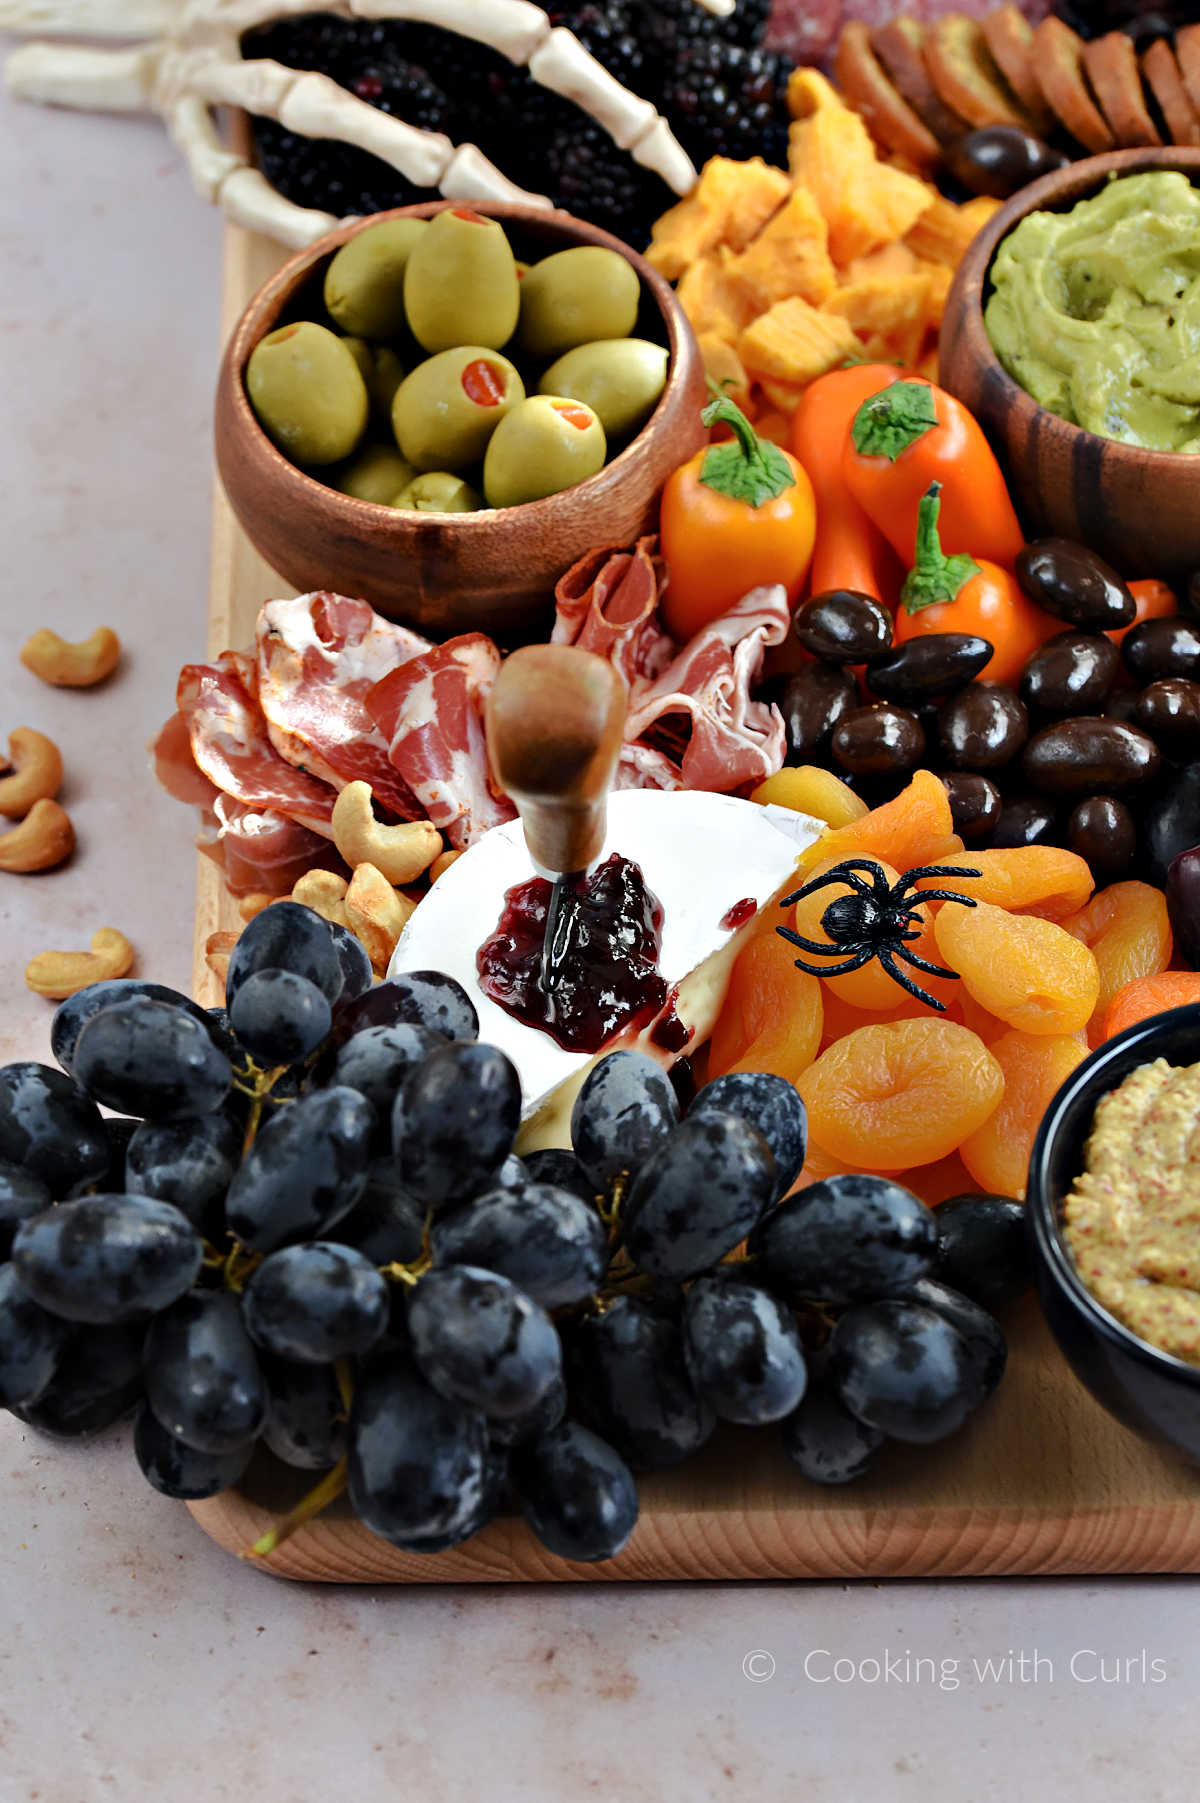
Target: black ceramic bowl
1155	1394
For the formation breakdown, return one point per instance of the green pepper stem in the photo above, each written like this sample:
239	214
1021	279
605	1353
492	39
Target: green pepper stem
749	469
934	577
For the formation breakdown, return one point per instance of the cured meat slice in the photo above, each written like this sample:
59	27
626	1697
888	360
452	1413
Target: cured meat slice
175	767
318	656
608	603
430	711
733	740
229	742
645	767
260	850
803	29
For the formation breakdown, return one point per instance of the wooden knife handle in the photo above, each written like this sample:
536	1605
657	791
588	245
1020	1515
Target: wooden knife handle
555	717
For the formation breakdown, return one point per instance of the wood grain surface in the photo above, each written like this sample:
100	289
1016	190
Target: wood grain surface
1041	1481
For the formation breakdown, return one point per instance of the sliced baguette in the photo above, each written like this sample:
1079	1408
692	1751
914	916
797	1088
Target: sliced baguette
1187	52
889	118
961	68
1112	68
1163	78
900	47
1058	62
1009	36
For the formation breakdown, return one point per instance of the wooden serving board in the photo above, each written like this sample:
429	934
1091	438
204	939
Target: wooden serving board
1042	1481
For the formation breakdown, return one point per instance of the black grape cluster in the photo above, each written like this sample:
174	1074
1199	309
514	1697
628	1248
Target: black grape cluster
307	1227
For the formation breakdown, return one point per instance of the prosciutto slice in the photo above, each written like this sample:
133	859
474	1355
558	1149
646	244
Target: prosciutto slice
733	740
261	850
230	746
430	712
608	603
317	657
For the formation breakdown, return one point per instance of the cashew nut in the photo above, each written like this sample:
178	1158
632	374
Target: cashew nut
400	853
325	893
35	772
72	666
376	913
441	865
217	948
60	974
44	838
255	902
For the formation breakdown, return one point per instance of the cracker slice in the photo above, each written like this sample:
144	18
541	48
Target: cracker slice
1165	81
1009	36
1187	51
961	68
1112	68
900	46
890	119
1058	60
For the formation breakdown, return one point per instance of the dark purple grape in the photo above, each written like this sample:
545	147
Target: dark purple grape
577	1493
697	1195
418	1462
1072	583
49	1129
826	1442
903	1369
151	1059
981	1333
556	1165
771	1104
628	1376
306	1416
177	1470
481	1341
316	1303
97	1381
306	1169
279	1017
203	1379
376	1060
454	1121
387	1224
105	1259
549	1242
624	1110
847	1239
354	960
742	1348
285	936
843	626
420	998
983	1249
71	1016
187	1163
22	1195
1183	904
30	1342
546	1413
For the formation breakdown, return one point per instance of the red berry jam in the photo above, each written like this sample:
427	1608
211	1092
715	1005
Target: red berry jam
739	914
610	978
670	1032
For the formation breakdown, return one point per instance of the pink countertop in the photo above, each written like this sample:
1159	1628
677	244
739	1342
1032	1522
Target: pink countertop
137	1661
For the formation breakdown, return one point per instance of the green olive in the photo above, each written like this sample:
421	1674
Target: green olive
460	286
448	407
439	492
381	370
545	444
375	473
308	393
576	296
364	283
360	350
621	379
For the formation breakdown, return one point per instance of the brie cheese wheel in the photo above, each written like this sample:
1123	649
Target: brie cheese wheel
699	853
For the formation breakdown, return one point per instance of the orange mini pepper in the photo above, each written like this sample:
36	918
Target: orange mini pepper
967	594
733	517
914	433
1153	599
850	551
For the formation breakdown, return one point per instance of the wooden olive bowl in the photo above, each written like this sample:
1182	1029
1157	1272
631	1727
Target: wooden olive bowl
1139	509
490	572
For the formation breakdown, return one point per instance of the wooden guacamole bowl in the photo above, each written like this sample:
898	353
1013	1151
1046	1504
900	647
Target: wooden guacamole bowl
492	571
1139	509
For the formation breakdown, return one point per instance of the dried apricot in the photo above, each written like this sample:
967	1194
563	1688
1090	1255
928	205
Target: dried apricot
1035	1065
1146	996
841	1019
1127	928
914	828
1033	879
1024	970
810	790
901	1093
935	1182
771	1013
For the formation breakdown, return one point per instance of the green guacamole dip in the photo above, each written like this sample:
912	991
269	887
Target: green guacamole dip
1096	312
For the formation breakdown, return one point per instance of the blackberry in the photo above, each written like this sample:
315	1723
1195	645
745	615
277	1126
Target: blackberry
671	28
590	176
723	101
405	91
318	172
316	41
608	32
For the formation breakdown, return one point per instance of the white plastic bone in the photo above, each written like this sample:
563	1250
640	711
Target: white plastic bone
209	162
561	63
661	152
113	81
317	107
470	175
248	198
91	18
513	27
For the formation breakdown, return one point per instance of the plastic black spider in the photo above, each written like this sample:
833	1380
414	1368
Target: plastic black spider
874	921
